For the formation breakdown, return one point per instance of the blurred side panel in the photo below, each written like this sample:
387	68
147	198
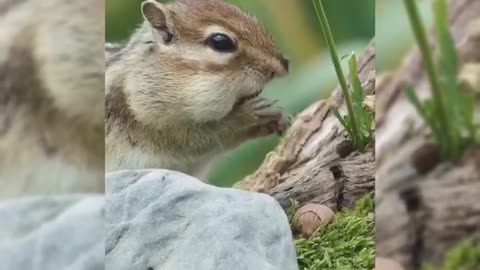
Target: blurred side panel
51	97
51	134
427	201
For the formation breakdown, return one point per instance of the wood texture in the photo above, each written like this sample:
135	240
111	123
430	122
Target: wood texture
314	162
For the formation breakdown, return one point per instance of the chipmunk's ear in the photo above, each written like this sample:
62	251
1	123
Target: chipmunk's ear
158	15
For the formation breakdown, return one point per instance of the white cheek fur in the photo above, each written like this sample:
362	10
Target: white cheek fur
211	97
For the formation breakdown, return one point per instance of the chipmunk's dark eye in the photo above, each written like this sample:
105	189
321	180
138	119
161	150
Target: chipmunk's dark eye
221	42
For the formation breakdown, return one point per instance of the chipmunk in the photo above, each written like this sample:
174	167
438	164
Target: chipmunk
185	87
51	97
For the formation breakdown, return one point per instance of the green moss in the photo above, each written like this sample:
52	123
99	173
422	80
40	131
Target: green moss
465	256
348	243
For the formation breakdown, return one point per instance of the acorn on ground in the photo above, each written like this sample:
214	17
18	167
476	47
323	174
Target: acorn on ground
310	217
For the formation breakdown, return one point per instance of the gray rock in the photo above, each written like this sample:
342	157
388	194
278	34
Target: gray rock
166	220
53	233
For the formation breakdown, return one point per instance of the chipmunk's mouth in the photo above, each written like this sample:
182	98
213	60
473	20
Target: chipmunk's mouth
244	99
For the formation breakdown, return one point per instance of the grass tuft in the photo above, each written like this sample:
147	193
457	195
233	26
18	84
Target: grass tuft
449	113
358	122
348	243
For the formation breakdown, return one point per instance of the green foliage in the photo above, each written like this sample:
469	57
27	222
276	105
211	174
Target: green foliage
465	256
450	112
348	243
364	116
358	122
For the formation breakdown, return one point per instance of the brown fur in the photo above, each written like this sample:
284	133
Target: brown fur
190	17
190	14
178	105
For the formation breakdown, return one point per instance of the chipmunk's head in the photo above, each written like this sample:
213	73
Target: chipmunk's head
218	54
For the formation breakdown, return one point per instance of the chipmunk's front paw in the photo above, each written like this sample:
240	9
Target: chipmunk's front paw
267	118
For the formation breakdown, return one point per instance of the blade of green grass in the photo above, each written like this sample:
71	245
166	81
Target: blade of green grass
358	97
448	54
336	62
356	84
448	66
436	87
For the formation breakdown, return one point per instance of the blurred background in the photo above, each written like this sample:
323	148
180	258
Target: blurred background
294	25
393	34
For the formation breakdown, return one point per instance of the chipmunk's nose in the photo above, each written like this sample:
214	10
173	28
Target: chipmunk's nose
285	63
281	67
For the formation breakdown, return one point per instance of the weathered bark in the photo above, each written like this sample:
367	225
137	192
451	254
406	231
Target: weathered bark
424	206
314	162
